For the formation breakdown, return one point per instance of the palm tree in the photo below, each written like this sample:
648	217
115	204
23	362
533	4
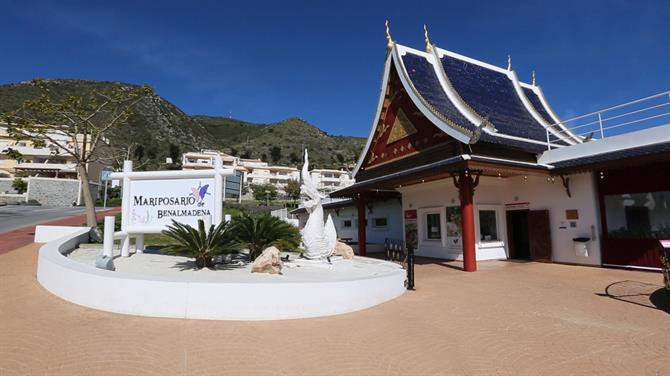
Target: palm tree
260	232
200	244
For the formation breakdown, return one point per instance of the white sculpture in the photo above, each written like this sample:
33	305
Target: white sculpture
318	239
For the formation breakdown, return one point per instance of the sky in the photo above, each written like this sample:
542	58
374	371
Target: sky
323	60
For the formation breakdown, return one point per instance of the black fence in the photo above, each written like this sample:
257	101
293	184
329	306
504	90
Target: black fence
398	253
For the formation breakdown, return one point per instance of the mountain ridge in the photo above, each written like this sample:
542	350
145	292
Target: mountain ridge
158	126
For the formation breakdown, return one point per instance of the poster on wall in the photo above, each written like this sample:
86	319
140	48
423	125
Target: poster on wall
410	229
155	203
454	233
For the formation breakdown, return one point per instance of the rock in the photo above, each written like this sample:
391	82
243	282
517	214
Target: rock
268	262
105	262
342	249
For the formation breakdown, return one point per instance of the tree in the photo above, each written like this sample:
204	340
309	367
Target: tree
259	232
264	192
13	154
76	125
295	158
20	185
115	155
275	154
202	244
292	190
174	153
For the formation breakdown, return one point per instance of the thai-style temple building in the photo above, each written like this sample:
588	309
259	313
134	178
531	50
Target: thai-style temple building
487	170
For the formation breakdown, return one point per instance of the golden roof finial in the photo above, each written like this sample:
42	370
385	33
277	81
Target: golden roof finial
533	79
389	41
429	47
509	62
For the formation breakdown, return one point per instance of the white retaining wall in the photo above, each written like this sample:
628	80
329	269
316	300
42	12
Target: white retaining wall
161	297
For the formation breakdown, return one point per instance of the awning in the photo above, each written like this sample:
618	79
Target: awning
435	170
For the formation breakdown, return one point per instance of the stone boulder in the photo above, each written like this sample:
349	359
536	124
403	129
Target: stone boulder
343	250
268	262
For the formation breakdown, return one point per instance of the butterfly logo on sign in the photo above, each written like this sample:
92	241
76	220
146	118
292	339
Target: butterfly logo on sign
199	193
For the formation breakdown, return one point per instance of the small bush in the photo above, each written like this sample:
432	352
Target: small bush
261	231
20	185
202	244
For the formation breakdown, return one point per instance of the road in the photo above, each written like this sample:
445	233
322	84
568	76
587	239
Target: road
17	216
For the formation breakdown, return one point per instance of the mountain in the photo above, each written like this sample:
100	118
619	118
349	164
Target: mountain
156	124
290	136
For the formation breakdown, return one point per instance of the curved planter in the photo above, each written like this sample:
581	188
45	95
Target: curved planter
164	297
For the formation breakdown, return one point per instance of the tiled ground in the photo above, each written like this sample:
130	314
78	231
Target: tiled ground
506	319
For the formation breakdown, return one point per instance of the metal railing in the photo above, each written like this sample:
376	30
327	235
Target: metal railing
643	113
398	253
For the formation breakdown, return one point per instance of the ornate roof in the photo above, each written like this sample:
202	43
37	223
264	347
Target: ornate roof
472	101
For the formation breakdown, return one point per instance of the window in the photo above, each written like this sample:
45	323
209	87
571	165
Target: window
488	226
379	222
638	215
347	223
433	231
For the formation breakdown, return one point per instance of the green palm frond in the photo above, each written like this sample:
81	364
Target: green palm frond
201	243
259	232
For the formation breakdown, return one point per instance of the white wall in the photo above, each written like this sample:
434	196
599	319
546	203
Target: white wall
552	196
389	209
495	193
252	298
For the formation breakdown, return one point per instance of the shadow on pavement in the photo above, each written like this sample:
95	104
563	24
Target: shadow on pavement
639	293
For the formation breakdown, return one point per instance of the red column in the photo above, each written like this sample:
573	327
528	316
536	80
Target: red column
466	189
360	205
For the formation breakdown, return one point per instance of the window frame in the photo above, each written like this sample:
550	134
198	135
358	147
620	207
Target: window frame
500	229
374	223
424	225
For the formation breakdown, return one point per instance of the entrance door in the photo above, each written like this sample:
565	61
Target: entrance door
517	233
539	235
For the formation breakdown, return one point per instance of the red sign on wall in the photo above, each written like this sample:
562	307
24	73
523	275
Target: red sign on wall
410	216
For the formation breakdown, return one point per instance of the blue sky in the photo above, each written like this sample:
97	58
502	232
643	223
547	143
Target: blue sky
322	61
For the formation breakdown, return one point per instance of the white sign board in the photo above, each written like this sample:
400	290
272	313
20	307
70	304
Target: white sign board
155	203
665	244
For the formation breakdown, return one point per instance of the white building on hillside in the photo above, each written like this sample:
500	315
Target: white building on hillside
41	161
256	172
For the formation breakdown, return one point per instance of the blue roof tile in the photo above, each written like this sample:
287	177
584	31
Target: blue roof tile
537	104
491	94
424	79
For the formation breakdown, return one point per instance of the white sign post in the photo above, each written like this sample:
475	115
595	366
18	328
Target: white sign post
151	200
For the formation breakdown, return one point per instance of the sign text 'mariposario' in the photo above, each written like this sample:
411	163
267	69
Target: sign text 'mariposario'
157	201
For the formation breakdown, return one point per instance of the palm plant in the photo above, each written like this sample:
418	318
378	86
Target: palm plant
259	232
201	244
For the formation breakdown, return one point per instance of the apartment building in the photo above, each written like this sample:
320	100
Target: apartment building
49	160
257	172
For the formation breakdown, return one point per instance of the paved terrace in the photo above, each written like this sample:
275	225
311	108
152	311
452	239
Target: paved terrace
506	319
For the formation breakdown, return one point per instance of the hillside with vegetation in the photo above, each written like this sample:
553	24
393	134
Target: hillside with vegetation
159	129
